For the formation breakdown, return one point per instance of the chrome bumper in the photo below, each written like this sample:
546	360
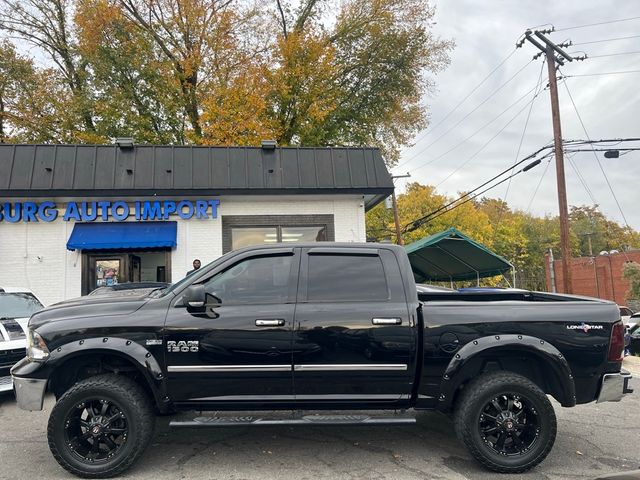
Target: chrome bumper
29	392
614	386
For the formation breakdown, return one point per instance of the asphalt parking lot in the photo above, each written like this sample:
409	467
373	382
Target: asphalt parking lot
593	440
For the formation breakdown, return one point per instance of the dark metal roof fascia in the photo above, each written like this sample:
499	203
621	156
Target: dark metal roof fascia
105	170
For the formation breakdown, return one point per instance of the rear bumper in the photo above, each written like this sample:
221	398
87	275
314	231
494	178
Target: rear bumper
29	392
614	386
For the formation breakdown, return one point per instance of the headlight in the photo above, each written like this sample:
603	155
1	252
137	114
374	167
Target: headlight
37	350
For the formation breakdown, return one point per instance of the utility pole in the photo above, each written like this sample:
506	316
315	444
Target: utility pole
396	218
550	49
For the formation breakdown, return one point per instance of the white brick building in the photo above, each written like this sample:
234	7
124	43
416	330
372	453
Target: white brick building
259	195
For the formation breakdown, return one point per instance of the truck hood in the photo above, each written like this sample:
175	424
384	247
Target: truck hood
88	307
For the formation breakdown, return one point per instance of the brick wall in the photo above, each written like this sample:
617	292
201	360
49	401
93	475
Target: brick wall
34	255
599	276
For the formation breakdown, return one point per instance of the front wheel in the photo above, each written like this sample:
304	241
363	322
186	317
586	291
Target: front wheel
100	426
506	421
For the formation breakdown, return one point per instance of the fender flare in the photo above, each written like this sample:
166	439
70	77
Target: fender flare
455	373
140	357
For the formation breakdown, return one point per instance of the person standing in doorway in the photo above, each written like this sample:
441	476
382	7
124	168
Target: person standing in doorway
196	266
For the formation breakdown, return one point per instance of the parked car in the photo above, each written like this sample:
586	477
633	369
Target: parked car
633	320
625	314
16	306
634	339
317	327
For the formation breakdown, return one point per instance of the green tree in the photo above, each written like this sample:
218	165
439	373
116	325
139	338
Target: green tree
521	238
590	225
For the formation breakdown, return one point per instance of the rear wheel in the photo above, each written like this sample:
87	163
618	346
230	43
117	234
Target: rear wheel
506	422
100	426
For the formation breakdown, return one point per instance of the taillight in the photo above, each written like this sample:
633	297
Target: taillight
616	343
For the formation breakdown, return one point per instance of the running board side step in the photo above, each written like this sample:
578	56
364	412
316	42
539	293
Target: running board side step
207	422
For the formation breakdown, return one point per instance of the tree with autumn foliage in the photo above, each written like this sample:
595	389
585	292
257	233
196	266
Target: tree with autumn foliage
521	238
233	72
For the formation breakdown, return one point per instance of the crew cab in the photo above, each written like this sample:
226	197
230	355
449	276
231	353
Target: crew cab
323	326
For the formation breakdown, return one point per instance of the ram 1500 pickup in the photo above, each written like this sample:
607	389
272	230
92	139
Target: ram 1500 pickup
321	326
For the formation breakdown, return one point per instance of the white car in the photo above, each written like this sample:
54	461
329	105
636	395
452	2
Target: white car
625	314
16	306
633	320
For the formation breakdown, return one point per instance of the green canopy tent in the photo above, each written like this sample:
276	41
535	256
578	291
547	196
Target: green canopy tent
451	255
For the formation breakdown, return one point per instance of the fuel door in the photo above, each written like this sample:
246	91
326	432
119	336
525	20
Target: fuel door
449	342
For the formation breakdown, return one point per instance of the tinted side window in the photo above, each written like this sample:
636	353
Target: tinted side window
254	280
346	278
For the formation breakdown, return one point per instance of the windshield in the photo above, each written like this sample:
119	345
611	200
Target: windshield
17	305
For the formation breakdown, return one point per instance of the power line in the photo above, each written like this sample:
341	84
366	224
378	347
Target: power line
611	141
581	179
470	93
486	144
466	116
596	24
528	157
524	131
525	169
607	40
601	73
604	174
459	144
613	54
535	192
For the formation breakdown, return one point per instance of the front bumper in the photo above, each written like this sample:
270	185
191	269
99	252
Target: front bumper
29	392
6	385
614	386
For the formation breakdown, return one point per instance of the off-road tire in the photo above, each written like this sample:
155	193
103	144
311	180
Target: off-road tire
134	403
473	399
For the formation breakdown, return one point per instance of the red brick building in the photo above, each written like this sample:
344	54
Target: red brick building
599	276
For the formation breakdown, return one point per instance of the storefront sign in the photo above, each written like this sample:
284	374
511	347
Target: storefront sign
105	211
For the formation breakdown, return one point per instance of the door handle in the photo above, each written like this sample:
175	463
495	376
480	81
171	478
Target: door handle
271	322
387	321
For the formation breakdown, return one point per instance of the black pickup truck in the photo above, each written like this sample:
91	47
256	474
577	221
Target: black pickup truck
316	327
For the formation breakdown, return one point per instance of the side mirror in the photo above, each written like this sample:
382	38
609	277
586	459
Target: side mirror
195	296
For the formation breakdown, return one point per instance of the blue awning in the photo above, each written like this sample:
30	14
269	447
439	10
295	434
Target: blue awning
101	236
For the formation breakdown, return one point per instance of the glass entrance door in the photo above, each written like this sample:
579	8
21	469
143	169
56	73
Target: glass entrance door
110	268
107	270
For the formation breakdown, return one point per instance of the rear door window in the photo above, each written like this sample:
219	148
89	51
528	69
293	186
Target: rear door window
346	278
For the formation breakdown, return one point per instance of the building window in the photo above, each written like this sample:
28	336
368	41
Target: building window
240	231
247	236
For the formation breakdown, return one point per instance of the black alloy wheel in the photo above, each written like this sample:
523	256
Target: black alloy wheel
100	426
509	424
96	430
506	421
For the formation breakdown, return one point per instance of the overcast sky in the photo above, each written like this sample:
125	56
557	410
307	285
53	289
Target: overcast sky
485	33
